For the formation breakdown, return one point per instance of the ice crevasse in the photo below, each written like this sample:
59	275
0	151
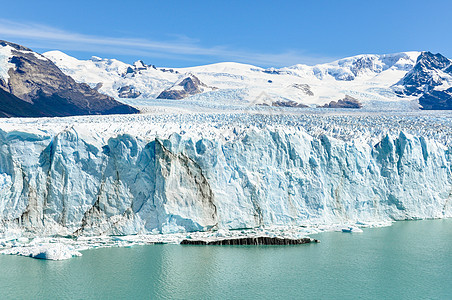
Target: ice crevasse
66	184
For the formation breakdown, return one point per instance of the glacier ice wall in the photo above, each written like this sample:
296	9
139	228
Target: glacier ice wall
66	184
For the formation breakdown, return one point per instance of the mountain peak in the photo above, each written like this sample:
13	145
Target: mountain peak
430	79
15	46
433	61
139	65
186	86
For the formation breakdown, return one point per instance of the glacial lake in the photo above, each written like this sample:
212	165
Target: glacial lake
409	260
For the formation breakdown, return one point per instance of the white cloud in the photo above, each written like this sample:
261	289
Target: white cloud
182	48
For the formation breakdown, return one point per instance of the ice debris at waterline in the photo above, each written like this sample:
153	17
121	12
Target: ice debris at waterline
56	248
152	174
44	251
72	247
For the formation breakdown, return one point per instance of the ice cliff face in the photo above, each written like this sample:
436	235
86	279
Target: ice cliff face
76	181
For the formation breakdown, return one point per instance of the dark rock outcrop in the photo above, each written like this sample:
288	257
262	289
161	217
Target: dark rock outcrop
304	87
260	240
288	103
15	46
39	88
169	70
347	102
429	72
11	106
128	91
439	100
137	67
364	63
189	86
273	71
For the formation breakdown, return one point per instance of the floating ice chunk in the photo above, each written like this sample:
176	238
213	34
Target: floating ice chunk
23	240
45	251
351	229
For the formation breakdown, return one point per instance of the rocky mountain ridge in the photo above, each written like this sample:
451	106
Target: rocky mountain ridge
33	86
430	80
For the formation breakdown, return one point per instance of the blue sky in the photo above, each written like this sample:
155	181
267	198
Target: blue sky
263	33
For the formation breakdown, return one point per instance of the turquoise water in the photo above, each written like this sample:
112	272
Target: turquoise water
409	260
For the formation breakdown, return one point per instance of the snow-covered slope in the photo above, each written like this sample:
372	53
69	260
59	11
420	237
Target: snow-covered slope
368	78
195	171
110	75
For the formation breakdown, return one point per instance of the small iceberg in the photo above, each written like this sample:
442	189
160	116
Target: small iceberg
351	229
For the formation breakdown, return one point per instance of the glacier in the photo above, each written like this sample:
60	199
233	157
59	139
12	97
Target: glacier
213	171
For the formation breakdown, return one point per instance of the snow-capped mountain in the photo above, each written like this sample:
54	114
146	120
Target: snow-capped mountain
373	80
32	86
430	80
110	76
407	80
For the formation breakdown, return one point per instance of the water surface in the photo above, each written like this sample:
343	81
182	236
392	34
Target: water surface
409	260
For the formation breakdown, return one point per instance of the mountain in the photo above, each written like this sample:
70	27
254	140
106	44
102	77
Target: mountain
33	86
55	84
375	81
431	80
188	86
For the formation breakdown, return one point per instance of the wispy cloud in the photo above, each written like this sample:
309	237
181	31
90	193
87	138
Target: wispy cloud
181	48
